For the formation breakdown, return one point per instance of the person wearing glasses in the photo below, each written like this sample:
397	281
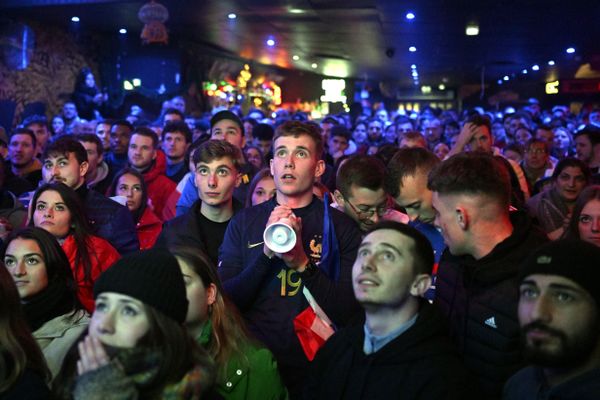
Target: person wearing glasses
537	164
360	192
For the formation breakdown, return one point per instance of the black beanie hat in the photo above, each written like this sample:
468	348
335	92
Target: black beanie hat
573	259
152	277
226	114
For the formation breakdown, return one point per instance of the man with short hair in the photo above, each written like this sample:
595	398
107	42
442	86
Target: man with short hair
171	115
587	147
177	138
360	192
406	182
476	136
69	114
144	157
227	126
413	139
263	138
268	287
337	144
477	275
39	125
97	174
559	314
21	154
432	130
402	350
536	164
116	159
327	125
203	226
65	160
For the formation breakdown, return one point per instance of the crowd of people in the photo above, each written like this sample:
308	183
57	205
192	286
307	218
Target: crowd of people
436	254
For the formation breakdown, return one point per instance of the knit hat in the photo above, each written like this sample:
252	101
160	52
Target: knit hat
226	114
573	259
152	277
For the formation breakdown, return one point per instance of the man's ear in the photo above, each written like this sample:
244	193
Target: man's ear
339	199
420	284
238	179
83	168
319	169
462	217
154	153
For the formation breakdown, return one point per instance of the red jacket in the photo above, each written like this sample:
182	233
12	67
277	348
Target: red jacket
102	255
159	186
148	228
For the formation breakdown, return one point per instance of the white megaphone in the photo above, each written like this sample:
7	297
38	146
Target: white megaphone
279	237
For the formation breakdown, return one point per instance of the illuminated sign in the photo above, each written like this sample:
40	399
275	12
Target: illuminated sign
334	90
552	87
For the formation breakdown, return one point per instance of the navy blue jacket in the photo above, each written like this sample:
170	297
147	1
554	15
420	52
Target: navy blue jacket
111	221
269	294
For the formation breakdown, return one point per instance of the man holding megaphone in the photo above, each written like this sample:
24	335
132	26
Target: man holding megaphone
275	249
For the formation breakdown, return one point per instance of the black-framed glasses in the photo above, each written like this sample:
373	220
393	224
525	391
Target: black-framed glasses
366	214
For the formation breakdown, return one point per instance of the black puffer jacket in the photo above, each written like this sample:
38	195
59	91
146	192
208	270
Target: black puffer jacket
421	363
480	298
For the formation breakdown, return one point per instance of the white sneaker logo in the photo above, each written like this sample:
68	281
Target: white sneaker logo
491	322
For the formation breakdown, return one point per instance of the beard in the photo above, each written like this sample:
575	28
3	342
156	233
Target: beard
570	352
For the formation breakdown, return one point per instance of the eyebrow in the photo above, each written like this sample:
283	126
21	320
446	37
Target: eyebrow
387	245
24	255
217	167
554	286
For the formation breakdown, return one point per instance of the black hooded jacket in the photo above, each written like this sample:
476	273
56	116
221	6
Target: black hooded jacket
479	298
421	363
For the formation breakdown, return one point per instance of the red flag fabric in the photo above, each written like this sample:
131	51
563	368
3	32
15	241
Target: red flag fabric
312	332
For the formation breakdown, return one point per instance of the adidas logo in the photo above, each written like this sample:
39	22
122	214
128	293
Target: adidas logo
491	322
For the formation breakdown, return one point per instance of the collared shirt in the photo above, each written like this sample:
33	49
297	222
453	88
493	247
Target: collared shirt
374	343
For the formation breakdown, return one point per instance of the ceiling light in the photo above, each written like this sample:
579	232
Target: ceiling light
535	67
75	19
551	62
414	66
571	50
314	65
127	85
296	11
136	82
410	16
295	57
415	73
425	89
122	31
442	86
506	77
524	71
232	15
270	42
412	49
499	81
472	30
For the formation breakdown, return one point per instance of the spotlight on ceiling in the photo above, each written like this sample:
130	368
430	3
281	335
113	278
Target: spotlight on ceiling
314	65
75	19
122	31
524	71
551	62
571	50
499	81
506	77
412	49
472	29
535	67
441	86
232	15
413	66
410	16
270	42
295	57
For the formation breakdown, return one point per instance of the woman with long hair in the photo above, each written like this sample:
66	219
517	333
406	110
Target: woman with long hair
585	222
87	97
552	208
245	370
48	293
261	189
137	346
130	184
22	366
56	208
